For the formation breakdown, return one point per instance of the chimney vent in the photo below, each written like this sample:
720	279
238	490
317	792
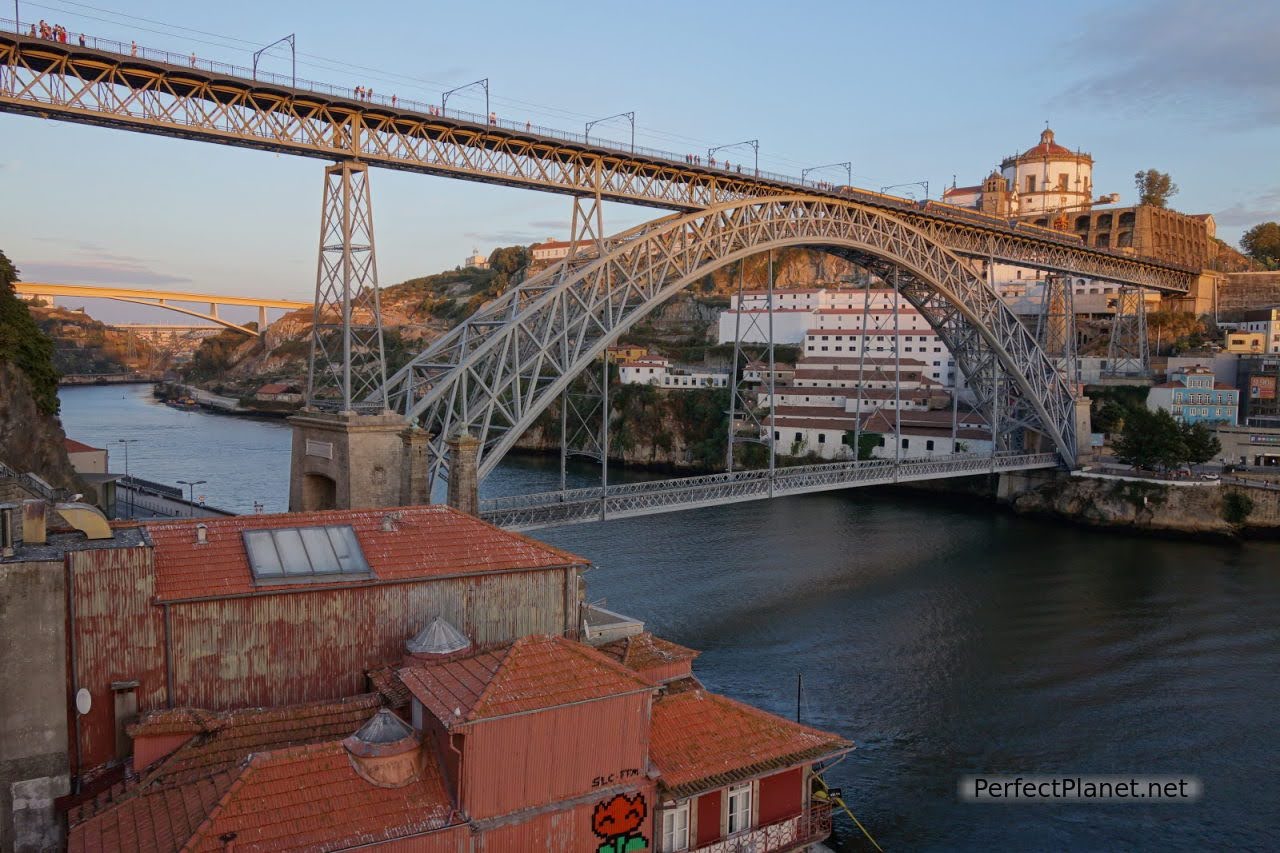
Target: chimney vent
202	534
35	522
9	537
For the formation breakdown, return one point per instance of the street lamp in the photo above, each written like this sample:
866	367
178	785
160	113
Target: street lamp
848	169
631	117
755	146
293	50
191	500
924	184
126	442
444	98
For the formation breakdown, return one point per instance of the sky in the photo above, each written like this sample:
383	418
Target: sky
905	91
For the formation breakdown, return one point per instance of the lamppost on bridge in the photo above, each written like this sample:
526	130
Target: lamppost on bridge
293	51
755	146
191	499
484	82
924	184
631	117
848	169
126	442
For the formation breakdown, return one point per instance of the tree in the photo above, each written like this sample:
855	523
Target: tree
1151	440
22	342
1262	243
1200	443
1154	188
1110	417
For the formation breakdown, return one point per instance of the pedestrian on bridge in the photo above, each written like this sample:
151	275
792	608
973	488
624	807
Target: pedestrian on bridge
359	93
82	39
493	119
193	59
133	48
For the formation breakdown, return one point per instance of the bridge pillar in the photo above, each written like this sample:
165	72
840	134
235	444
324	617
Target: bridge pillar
1084	429
415	484
464	479
346	460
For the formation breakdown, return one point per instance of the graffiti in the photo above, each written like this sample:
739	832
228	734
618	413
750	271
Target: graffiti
615	778
618	821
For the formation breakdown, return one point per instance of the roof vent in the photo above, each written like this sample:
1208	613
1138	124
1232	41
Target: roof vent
385	751
202	534
438	638
89	520
390	522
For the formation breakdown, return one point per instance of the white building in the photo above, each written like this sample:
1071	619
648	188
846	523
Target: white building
1265	322
477	260
923	434
659	372
831	322
550	251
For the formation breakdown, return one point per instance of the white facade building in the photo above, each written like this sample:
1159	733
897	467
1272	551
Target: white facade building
659	372
477	260
1265	322
831	323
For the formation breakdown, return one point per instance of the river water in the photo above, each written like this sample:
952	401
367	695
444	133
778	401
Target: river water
944	639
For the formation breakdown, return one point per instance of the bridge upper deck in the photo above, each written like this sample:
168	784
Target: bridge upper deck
164	93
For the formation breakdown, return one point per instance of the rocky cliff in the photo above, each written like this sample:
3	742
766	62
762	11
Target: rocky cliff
1225	510
31	440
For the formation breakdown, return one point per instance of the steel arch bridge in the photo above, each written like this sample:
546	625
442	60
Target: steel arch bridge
496	372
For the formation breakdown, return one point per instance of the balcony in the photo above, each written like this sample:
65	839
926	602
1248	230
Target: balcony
792	833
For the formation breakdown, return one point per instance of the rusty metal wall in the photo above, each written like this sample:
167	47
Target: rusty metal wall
537	759
455	839
564	831
299	647
118	636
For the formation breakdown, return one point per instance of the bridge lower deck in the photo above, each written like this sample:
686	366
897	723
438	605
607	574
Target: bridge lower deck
627	500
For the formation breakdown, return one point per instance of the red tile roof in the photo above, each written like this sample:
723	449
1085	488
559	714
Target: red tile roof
235	734
531	674
644	651
74	446
961	190
700	740
298	798
223	739
428	541
276	388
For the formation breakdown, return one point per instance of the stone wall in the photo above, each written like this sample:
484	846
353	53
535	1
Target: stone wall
1245	290
33	721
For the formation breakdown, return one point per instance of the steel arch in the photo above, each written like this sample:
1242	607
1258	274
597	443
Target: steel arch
495	373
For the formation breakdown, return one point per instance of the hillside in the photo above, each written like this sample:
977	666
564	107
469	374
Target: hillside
81	344
31	437
416	311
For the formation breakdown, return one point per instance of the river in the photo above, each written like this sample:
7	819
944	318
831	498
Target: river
943	638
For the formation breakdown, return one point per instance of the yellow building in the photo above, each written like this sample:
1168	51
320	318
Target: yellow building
627	352
1255	342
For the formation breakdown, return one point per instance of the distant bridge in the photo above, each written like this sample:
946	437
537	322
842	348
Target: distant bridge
163	299
574	506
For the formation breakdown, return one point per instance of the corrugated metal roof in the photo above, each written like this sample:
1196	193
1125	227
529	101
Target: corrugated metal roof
700	740
424	541
530	674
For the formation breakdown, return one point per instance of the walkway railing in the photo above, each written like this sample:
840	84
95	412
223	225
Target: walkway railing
547	509
33	484
813	825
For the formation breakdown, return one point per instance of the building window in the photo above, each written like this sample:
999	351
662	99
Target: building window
928	445
675	828
822	438
799	436
1031	183
739	809
906	442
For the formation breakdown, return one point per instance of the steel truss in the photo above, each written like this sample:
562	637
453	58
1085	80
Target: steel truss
495	373
100	87
549	509
347	370
1128	351
1056	324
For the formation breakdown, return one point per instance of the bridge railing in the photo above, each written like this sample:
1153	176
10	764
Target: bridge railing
653	495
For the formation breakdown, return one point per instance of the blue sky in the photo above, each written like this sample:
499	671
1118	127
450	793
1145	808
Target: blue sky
907	92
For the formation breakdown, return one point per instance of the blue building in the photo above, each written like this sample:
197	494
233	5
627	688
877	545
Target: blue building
1193	397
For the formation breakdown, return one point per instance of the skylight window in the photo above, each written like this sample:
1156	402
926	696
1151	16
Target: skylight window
289	554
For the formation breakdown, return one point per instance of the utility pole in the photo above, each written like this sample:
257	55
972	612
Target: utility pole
126	442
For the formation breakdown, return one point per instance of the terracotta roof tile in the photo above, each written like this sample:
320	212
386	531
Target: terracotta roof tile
74	446
297	798
386	681
700	740
427	541
644	651
532	673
